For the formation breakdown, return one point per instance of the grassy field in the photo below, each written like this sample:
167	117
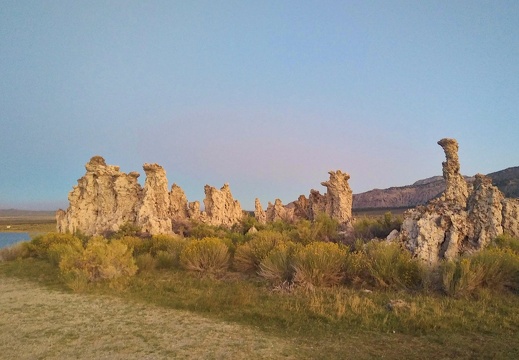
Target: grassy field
37	323
182	315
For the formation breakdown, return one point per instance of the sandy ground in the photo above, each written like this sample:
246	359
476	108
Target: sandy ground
37	323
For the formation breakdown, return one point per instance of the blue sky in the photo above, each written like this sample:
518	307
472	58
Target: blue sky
265	95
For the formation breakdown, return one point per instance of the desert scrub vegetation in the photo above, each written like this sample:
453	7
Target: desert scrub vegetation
493	268
314	291
100	260
369	227
207	255
280	253
387	265
249	255
319	264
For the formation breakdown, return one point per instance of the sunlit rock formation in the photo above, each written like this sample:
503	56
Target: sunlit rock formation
277	212
220	206
259	214
336	203
455	185
338	197
105	199
463	220
178	204
154	215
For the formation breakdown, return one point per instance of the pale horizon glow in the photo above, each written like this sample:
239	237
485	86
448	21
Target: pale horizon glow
267	96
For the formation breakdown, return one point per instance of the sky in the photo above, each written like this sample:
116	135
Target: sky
267	96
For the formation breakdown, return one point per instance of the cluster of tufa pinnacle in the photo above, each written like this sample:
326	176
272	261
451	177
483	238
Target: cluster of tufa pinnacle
463	220
106	199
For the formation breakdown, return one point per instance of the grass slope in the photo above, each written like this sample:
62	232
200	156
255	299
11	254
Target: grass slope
40	323
177	314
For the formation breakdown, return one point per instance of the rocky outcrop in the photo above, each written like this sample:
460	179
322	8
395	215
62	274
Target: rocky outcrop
511	217
277	212
484	208
178	204
464	219
154	215
106	198
455	185
336	202
338	197
259	214
220	206
103	200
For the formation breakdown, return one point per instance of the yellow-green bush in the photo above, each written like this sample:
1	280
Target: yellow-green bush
322	228
100	260
461	277
165	249
319	264
208	255
139	245
506	241
39	246
501	268
355	269
278	265
168	243
145	262
367	228
57	250
494	268
390	266
14	251
249	255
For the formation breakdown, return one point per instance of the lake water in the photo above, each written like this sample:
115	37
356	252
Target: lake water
9	238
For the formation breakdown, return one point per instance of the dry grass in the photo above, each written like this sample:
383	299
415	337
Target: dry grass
38	323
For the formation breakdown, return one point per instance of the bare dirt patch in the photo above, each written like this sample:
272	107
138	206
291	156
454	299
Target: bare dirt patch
38	323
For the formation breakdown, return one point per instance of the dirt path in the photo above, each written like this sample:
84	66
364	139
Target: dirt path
36	323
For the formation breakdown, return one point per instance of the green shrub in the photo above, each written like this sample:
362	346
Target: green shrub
58	250
139	245
208	255
145	262
246	223
355	269
461	277
278	265
322	228
493	268
368	228
249	255
166	260
327	228
319	264
14	252
200	230
507	242
100	260
390	266
167	243
39	246
500	268
127	229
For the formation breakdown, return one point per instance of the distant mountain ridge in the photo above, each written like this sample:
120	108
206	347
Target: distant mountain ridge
421	191
26	213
